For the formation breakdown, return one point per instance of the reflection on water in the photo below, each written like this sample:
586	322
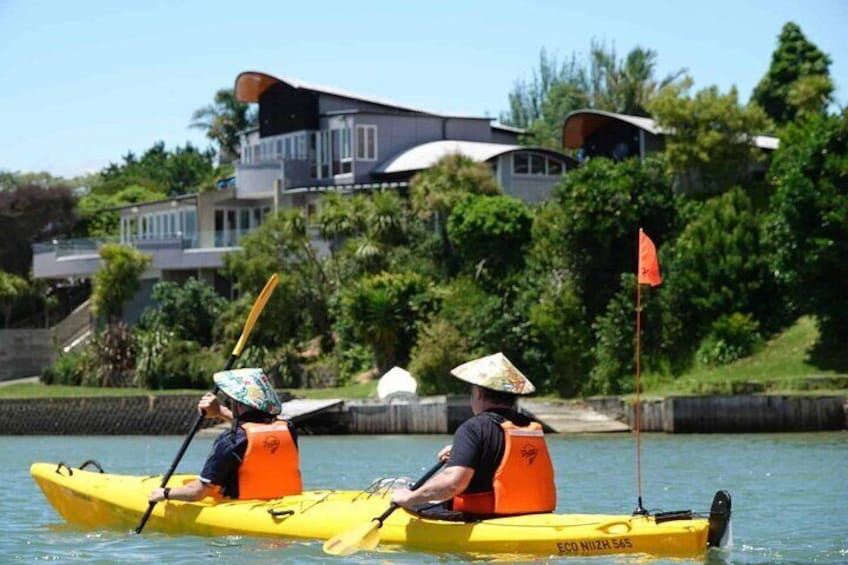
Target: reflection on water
790	497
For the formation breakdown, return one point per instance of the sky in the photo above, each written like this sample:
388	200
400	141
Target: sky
83	82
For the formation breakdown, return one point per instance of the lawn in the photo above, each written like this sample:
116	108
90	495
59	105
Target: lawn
782	365
39	390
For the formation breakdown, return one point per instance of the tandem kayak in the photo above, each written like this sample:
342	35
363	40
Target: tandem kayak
95	499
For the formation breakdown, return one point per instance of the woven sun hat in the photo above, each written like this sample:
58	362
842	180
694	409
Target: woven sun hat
250	387
494	372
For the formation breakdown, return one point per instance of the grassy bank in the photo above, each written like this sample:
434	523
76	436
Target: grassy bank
782	365
39	390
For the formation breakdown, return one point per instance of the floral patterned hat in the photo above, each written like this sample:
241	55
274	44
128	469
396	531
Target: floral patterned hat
494	372
250	387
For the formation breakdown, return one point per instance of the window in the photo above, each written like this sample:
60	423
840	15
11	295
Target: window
535	164
366	143
520	164
340	140
554	167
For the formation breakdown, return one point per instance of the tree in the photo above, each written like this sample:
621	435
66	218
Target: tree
28	214
223	120
117	280
383	310
435	191
798	78
490	233
299	308
98	217
589	232
603	82
710	142
189	310
12	289
717	266
809	221
171	173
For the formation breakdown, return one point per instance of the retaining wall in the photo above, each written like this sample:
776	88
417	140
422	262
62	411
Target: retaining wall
731	414
142	415
173	414
24	353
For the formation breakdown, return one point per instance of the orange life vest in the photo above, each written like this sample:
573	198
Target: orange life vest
271	465
524	480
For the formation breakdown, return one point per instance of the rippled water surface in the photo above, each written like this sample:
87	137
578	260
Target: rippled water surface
790	494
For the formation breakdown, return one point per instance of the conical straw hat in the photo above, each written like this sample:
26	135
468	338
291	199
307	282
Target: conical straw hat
494	372
250	387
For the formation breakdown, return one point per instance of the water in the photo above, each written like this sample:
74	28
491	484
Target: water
790	494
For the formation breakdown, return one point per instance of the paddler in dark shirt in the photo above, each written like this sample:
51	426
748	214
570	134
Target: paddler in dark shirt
498	464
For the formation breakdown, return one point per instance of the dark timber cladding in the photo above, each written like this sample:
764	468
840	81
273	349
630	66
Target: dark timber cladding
283	109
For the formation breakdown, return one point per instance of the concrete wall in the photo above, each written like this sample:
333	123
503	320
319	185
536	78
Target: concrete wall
731	414
24	353
728	414
148	415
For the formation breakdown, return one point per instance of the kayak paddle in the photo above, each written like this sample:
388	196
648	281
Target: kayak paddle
367	536
257	308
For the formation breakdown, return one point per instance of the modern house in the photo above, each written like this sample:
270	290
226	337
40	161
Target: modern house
313	139
593	133
310	140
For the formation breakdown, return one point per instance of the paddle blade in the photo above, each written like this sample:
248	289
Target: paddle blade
258	306
363	537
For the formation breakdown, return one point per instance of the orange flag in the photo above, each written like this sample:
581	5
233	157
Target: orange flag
649	266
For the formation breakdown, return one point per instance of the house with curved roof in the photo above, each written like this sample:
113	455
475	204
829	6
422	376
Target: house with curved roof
312	139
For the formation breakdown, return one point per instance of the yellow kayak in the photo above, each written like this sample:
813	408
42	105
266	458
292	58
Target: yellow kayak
100	500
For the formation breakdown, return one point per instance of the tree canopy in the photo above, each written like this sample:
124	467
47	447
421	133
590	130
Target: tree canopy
223	120
797	80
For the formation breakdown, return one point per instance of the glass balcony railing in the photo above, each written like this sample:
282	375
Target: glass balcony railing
198	240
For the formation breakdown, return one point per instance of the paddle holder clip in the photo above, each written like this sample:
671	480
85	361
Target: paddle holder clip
640	510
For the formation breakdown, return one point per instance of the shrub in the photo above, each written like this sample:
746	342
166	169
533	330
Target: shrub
113	357
68	369
731	337
189	310
440	348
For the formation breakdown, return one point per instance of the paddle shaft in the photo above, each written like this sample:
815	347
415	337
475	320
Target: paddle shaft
198	420
415	486
257	308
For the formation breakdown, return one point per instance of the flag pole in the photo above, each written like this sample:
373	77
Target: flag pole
640	510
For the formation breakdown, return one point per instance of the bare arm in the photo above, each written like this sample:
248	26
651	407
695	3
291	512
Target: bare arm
195	490
444	486
211	408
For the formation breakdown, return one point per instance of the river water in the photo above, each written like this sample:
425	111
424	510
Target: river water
790	494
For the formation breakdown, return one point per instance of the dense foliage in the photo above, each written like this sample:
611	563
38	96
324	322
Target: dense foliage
809	222
458	269
117	280
798	78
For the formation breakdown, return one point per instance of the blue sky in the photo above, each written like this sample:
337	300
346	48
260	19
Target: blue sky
82	82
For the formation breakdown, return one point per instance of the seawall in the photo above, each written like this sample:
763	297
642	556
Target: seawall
173	414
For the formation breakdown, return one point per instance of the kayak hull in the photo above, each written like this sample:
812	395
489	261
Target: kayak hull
99	500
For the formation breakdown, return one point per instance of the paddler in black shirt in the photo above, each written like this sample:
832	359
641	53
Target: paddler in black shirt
498	464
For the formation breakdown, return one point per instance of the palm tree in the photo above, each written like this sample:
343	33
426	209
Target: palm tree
223	120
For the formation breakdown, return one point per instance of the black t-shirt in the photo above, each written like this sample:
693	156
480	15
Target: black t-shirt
479	444
222	464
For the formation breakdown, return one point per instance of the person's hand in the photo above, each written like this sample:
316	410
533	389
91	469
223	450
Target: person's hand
157	495
209	406
445	453
401	496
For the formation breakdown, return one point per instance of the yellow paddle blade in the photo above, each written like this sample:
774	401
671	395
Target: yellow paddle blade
258	306
363	537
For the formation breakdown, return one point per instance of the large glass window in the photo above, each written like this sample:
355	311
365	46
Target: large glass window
535	164
366	143
340	139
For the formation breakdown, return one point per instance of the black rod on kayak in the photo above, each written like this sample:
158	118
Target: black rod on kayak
257	308
414	486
